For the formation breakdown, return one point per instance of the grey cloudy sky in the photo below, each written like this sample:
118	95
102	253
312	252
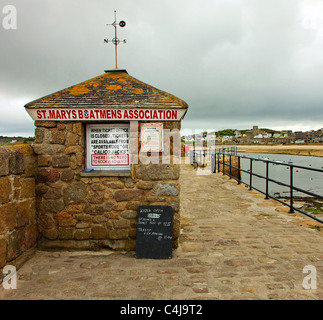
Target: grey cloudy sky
237	63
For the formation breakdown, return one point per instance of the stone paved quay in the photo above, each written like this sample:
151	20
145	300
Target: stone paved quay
234	245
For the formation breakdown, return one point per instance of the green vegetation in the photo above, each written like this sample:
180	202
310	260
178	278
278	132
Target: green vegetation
4	140
314	210
225	132
231	132
268	130
318	228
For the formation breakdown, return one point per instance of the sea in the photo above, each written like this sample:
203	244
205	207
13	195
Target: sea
304	179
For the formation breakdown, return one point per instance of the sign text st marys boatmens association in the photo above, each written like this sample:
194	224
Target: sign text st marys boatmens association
105	114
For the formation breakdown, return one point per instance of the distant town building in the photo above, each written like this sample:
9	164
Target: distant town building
226	138
255	130
260	136
300	135
237	134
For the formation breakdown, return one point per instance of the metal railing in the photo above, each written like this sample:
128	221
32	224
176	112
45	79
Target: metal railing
227	150
200	157
197	157
219	158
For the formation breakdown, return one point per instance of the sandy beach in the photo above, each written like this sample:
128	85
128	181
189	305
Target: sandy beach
302	150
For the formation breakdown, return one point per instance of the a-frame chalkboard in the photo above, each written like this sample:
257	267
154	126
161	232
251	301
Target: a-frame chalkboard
154	232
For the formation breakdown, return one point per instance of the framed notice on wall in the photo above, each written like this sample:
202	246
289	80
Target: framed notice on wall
107	146
152	137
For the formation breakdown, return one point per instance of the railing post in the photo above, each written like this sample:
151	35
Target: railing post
250	173
267	171
291	207
239	170
218	162
230	166
223	161
215	162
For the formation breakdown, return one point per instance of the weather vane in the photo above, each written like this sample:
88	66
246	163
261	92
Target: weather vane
116	40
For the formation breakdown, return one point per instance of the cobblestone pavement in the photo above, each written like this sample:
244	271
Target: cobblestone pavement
233	245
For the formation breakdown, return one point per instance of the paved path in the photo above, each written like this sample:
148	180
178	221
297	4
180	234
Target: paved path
234	245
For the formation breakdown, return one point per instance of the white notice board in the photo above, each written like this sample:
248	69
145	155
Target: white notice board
107	146
152	137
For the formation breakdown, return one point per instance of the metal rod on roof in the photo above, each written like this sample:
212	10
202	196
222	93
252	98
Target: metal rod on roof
116	40
115	37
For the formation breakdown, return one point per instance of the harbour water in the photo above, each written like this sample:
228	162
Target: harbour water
305	179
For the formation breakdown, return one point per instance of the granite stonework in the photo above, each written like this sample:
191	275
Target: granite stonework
88	211
18	223
223	163
97	209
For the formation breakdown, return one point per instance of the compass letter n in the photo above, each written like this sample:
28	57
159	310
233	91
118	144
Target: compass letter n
10	20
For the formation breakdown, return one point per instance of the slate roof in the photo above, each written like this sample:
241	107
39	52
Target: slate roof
113	89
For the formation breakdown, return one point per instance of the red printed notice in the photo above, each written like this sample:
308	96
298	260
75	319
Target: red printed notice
110	160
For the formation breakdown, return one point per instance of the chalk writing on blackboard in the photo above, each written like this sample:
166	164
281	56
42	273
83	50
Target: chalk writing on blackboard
154	232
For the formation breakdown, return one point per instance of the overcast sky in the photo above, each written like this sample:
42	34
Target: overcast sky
237	63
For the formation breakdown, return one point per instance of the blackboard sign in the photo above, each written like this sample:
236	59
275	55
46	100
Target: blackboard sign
154	232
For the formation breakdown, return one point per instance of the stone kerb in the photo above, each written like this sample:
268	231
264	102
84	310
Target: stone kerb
90	212
18	225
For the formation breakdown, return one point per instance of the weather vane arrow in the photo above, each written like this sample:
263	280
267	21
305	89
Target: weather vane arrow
116	40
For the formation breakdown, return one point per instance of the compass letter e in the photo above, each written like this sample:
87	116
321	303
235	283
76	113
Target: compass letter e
10	20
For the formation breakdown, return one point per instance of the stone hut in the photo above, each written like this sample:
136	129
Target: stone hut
94	166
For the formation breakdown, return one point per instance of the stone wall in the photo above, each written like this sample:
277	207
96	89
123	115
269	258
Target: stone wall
235	161
81	211
18	225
